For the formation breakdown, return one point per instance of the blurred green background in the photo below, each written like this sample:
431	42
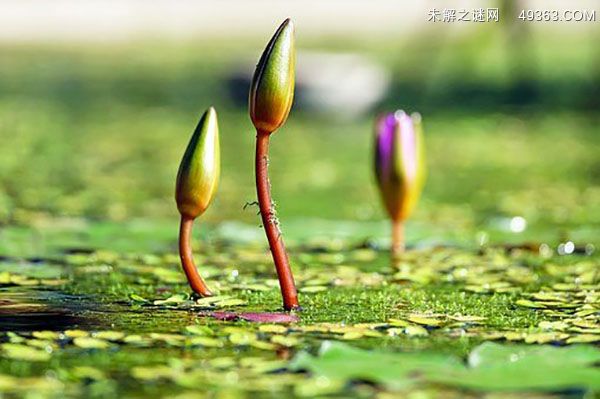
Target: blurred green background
93	133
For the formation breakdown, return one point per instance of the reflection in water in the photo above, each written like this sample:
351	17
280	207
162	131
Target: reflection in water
23	309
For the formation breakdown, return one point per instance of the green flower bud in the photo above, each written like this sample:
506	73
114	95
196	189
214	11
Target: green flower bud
272	89
198	175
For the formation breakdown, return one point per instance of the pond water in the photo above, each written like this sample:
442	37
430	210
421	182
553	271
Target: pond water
105	323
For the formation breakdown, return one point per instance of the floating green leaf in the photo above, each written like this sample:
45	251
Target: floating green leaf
90	343
172	300
491	367
24	352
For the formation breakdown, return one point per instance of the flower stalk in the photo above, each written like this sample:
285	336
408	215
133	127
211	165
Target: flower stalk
399	169
398	245
187	260
271	224
197	181
270	101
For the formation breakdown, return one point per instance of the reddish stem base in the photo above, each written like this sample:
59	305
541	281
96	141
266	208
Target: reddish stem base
187	260
398	246
270	224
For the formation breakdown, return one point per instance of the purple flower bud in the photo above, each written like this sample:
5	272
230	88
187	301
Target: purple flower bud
399	162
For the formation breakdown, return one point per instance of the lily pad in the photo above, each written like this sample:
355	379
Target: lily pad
491	367
90	343
172	300
24	352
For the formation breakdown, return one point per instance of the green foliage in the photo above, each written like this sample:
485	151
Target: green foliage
91	139
491	367
127	322
97	133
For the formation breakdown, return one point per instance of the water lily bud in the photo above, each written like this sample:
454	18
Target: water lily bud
198	175
272	89
399	162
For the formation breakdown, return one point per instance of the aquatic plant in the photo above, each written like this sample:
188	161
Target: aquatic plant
271	97
399	169
197	182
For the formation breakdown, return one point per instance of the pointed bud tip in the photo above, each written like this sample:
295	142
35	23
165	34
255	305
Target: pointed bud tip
399	114
211	112
272	89
288	23
416	117
198	175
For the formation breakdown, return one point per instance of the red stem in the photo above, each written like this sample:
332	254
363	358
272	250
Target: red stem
397	238
187	260
280	258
